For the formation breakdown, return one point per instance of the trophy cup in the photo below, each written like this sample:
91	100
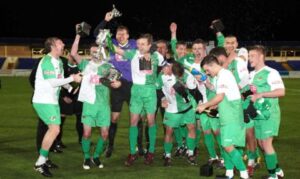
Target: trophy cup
83	29
113	75
102	53
115	12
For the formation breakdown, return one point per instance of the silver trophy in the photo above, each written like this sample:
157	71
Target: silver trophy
102	53
115	12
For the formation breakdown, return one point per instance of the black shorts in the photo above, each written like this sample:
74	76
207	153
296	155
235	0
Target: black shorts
119	95
69	109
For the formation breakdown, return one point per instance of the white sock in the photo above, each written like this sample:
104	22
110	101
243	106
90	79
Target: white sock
251	162
168	155
229	173
190	152
41	160
244	174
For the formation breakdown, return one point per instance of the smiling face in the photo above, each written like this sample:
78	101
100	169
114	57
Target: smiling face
230	44
199	50
181	50
122	36
143	45
162	48
255	58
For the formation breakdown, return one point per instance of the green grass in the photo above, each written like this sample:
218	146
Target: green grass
18	153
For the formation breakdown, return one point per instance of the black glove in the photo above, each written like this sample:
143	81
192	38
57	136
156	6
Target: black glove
247	93
83	29
105	82
180	89
250	112
212	113
217	26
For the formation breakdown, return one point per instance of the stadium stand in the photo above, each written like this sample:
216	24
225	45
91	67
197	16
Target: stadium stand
2	60
26	63
295	64
275	65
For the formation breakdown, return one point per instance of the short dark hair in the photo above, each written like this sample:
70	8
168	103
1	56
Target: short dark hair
209	59
259	48
218	51
177	69
199	41
231	36
162	41
148	37
93	44
181	43
122	27
48	43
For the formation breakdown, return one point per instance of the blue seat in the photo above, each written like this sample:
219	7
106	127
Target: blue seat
275	65
2	60
295	64
26	63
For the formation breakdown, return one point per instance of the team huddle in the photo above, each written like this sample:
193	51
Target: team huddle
204	91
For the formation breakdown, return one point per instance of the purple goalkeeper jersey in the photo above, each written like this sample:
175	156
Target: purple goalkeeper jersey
123	65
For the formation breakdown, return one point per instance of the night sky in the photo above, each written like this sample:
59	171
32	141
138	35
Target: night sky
248	19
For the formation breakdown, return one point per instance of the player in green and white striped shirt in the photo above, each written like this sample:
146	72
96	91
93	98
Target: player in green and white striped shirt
48	81
266	85
228	99
143	93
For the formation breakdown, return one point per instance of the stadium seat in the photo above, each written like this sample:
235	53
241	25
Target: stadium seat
26	63
2	60
275	65
295	64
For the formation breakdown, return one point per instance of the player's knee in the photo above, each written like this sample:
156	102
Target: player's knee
55	129
86	134
104	134
207	132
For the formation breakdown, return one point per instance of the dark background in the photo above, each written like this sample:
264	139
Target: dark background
248	19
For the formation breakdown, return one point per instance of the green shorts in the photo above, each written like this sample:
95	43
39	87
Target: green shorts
49	113
233	134
267	128
175	120
96	115
143	97
208	123
250	124
214	123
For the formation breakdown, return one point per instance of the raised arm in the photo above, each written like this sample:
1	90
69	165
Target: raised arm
103	24
74	49
173	29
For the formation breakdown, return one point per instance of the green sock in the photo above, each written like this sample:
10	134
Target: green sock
133	134
44	152
227	161
210	145
277	166
218	137
197	139
237	160
257	153
251	155
240	150
152	138
183	131
86	144
168	147
190	142
271	161
99	147
178	137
